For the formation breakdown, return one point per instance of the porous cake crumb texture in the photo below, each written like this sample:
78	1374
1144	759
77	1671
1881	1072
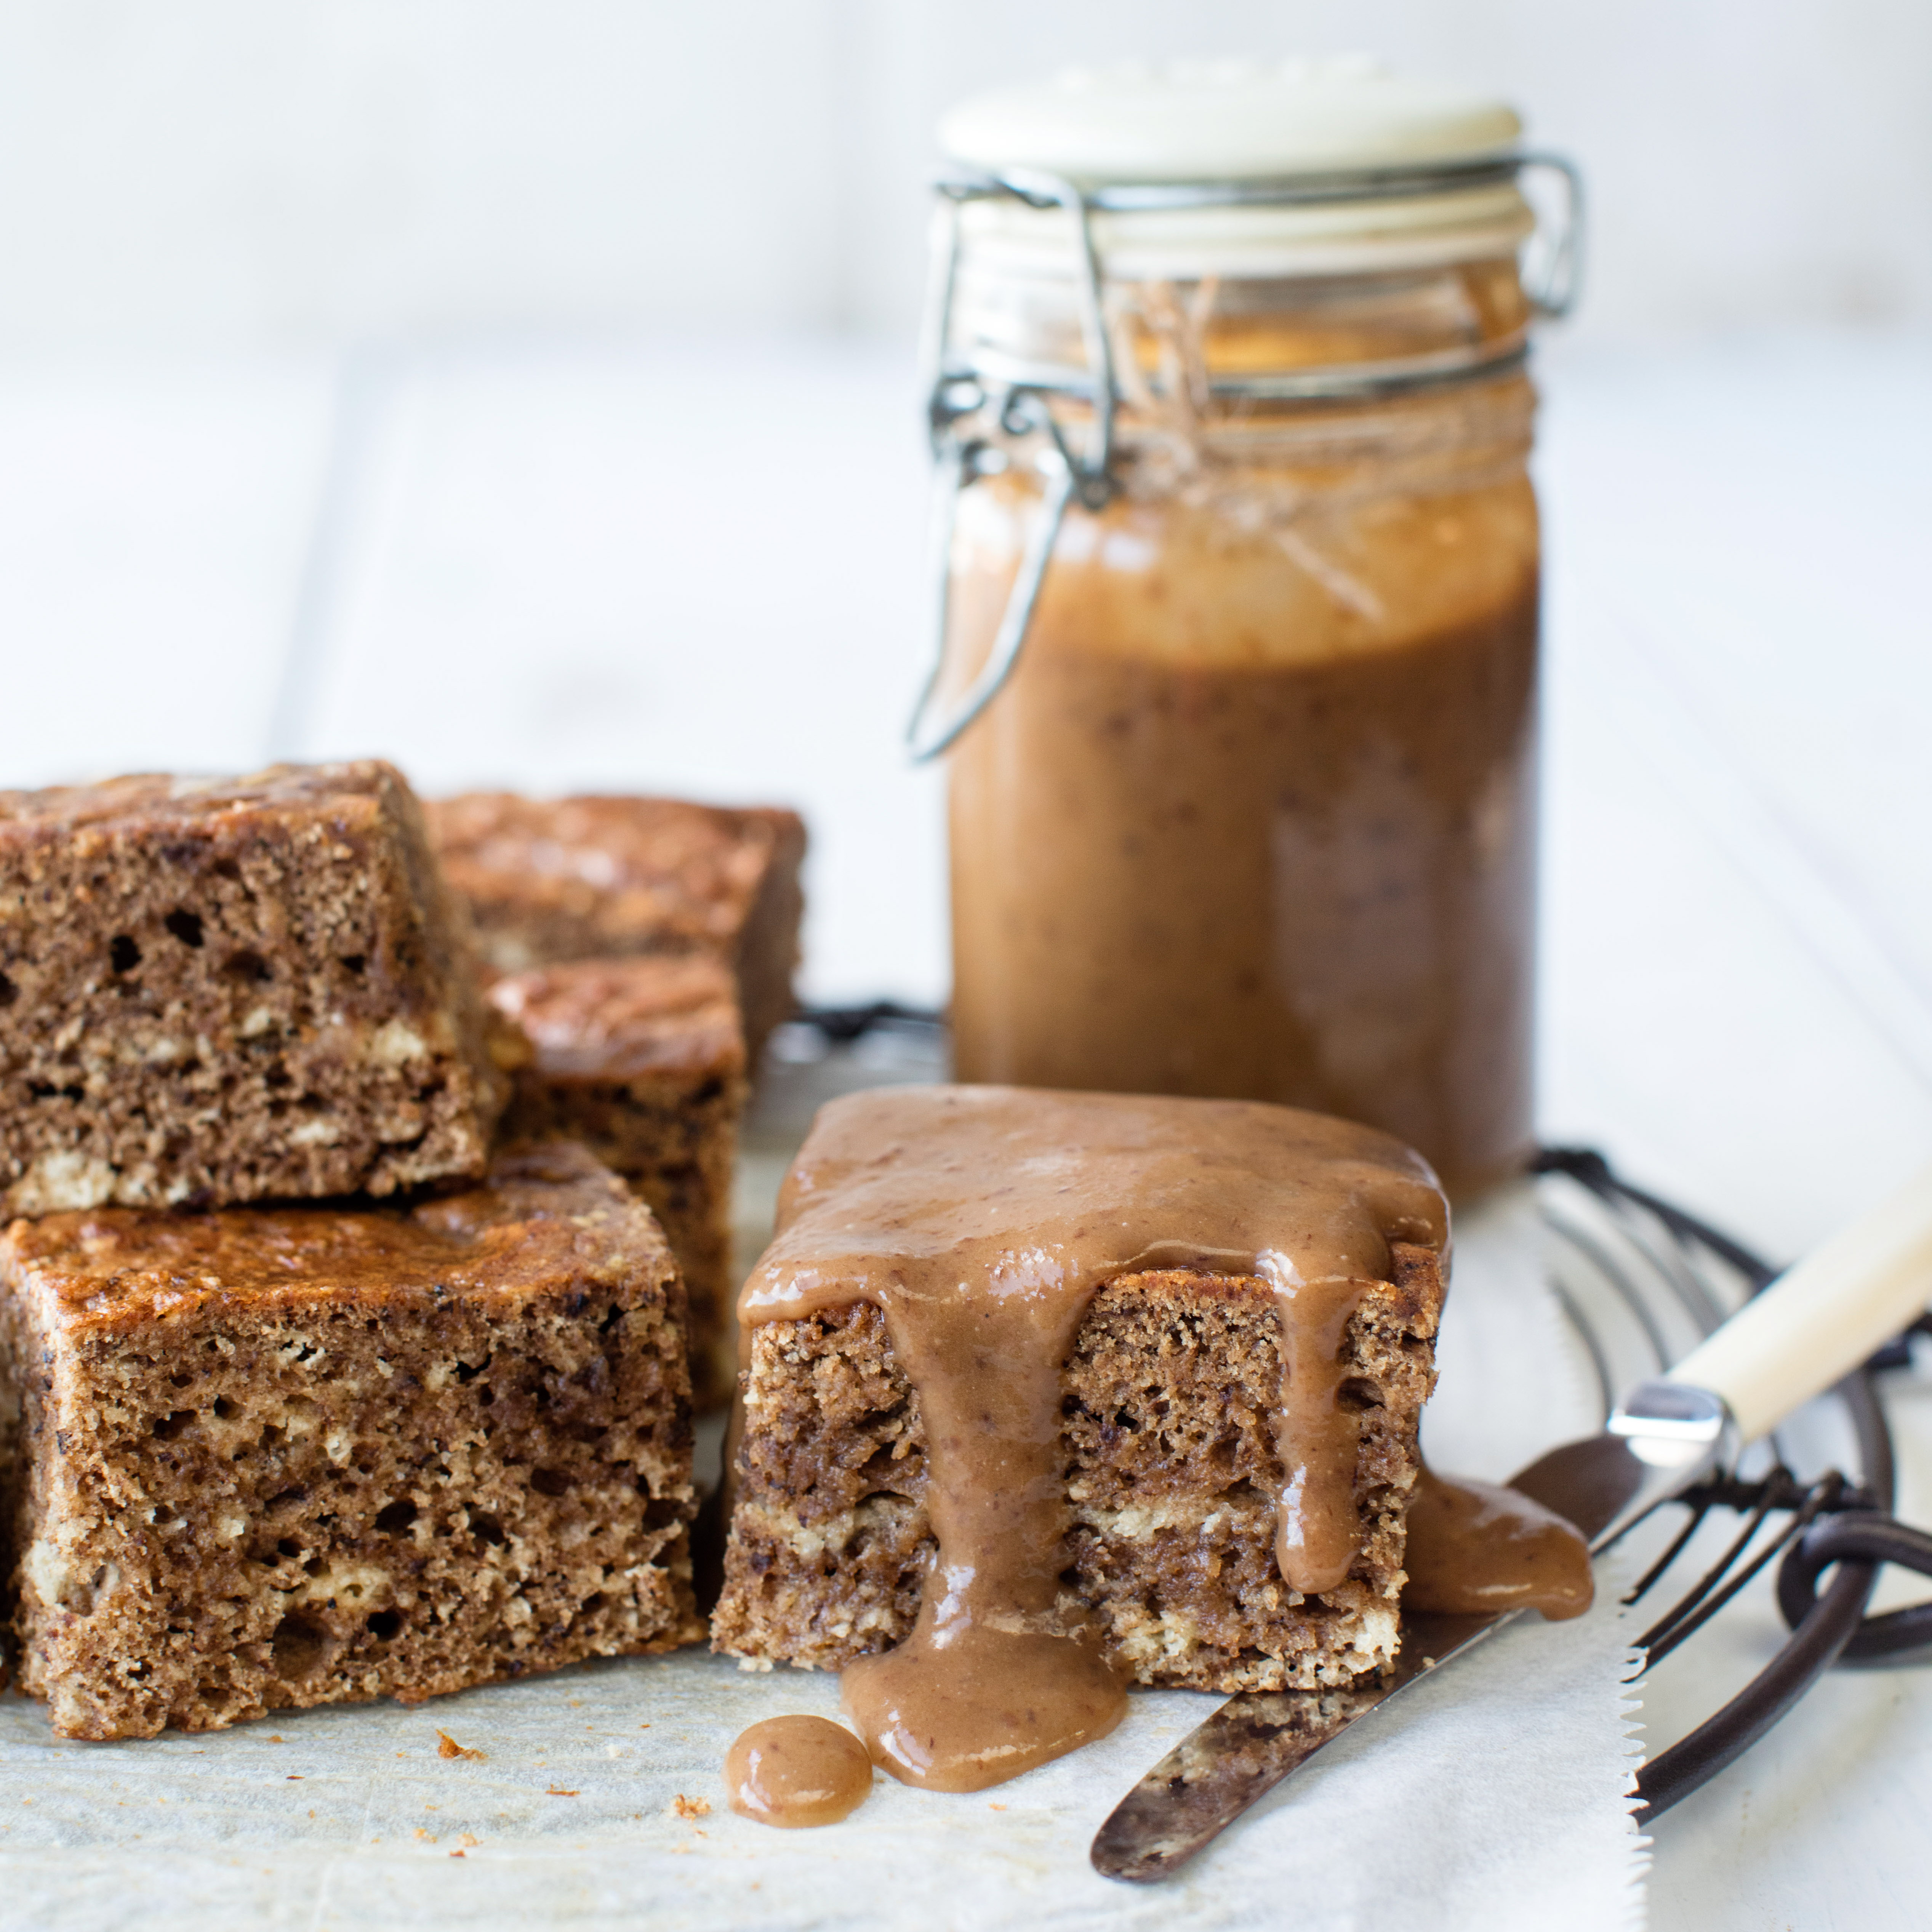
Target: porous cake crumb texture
1171	1467
270	1458
642	1060
214	992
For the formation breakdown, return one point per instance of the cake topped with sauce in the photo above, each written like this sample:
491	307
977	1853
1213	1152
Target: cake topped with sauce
1054	1391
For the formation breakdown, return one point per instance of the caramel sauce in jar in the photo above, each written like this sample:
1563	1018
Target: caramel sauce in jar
1253	816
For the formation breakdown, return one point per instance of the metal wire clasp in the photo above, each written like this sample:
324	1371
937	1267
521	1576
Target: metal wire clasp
1081	466
1019	408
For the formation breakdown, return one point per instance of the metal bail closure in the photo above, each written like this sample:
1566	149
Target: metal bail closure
1021	409
927	737
1020	403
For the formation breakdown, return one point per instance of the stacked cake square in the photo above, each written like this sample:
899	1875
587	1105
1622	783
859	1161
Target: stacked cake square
322	1390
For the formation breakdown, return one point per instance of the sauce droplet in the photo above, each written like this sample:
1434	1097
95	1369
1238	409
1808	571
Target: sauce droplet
796	1771
961	1708
1475	1550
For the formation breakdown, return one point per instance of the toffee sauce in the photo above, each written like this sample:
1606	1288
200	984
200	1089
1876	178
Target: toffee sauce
793	1772
1222	833
1475	1548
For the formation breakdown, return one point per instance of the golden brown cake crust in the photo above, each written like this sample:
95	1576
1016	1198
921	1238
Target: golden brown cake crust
642	1060
215	991
548	880
1169	1459
549	1221
270	1458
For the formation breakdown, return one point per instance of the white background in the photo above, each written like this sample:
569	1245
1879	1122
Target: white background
524	390
315	171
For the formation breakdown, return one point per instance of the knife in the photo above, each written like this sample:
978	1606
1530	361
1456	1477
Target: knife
1812	1326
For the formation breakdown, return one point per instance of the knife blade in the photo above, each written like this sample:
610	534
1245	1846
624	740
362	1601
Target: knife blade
1816	1321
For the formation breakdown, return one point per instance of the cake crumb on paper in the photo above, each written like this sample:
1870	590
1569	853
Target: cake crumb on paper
690	1807
557	1791
447	1746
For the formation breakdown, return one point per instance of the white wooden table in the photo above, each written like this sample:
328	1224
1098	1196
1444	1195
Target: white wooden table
695	566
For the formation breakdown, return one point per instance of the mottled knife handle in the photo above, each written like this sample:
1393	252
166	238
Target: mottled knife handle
1246	1749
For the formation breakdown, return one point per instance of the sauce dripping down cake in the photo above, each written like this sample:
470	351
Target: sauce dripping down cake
1048	1392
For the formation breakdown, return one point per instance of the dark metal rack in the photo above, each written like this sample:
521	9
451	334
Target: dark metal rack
1829	1521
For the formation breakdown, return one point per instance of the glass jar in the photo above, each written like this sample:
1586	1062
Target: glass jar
1242	605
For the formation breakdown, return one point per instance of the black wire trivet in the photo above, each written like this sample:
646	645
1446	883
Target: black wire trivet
1830	1522
1826	1522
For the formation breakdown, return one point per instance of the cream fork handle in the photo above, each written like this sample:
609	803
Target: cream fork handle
1822	1317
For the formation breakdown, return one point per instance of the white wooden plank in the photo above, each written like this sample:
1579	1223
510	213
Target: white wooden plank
1754	517
153	524
1728	1003
694	568
1686	1026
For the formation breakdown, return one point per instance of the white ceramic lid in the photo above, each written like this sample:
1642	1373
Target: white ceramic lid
1234	120
1221	120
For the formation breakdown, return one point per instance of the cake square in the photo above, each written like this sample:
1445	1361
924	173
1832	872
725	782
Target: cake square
269	1457
642	1060
552	879
223	990
1195	1404
1168	1467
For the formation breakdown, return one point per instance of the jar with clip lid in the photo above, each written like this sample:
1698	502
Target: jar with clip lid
1237	562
